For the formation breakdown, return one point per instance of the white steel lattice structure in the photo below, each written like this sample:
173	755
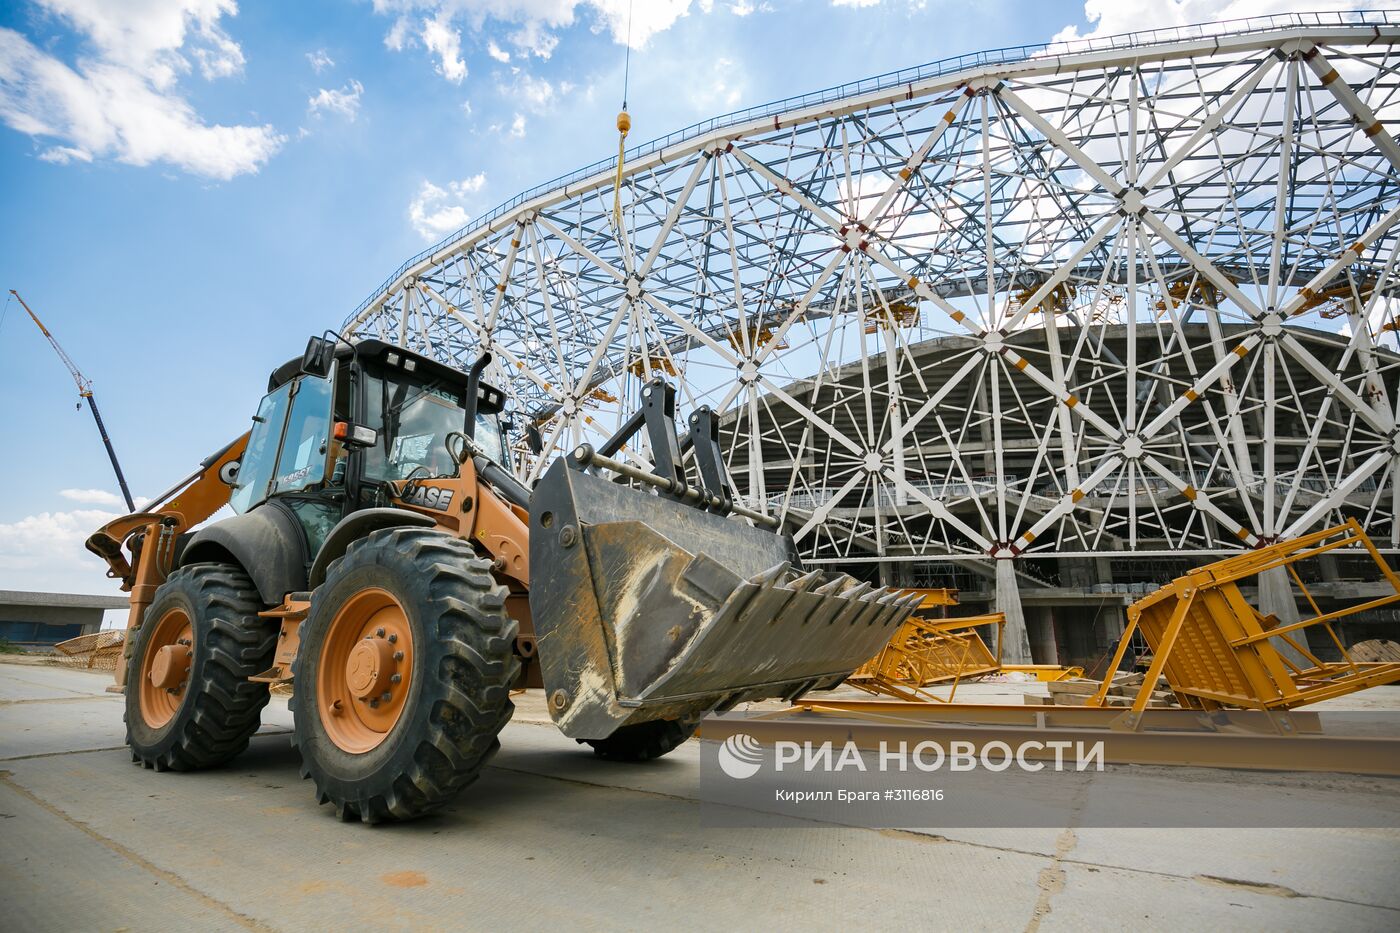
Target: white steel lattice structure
1123	295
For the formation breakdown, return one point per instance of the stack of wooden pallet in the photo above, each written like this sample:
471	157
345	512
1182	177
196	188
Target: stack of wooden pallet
1121	693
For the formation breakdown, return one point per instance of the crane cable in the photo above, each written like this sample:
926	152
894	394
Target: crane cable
624	123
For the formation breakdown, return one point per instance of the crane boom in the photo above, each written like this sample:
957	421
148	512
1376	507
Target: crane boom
84	391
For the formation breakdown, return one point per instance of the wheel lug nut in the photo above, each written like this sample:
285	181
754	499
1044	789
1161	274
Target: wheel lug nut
374	704
379	633
386	696
398	655
393	638
395	679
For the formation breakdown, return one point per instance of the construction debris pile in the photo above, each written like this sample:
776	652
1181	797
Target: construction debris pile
99	651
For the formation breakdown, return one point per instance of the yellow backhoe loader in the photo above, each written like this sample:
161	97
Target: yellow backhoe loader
384	561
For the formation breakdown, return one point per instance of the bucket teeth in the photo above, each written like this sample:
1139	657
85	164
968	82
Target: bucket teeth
805	582
770	577
856	592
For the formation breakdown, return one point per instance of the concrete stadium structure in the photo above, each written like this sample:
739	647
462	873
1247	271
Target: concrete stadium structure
1044	323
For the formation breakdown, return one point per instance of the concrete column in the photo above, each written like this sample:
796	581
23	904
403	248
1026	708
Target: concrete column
1040	631
1112	622
1276	598
1017	646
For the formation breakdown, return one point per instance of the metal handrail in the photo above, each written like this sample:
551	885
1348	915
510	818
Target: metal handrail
940	68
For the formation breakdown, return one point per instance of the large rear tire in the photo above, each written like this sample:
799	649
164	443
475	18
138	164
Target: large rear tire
403	676
644	741
189	703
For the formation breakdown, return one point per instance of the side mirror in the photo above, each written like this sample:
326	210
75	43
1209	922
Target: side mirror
317	359
534	439
355	436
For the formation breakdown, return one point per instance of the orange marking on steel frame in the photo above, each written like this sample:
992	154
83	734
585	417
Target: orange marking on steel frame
1072	401
1374	129
1190	493
1242	351
1076	495
1191	395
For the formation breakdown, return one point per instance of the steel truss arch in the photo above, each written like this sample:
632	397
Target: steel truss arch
1125	295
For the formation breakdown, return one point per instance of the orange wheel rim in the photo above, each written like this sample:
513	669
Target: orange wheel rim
165	668
365	671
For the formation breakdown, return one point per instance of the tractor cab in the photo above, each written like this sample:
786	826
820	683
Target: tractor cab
342	424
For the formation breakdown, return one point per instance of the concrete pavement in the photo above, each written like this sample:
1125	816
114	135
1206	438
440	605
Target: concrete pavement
551	837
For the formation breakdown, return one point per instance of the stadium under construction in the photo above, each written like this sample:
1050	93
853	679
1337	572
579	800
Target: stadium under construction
1049	324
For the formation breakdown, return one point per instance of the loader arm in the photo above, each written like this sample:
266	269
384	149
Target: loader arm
149	536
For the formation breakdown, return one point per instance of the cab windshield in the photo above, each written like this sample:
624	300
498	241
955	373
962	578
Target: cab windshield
414	421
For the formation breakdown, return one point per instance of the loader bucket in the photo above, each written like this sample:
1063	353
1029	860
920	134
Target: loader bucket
647	608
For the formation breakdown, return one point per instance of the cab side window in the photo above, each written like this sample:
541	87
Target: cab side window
303	459
255	469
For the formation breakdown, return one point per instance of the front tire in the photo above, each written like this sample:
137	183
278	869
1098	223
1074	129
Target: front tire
403	676
189	703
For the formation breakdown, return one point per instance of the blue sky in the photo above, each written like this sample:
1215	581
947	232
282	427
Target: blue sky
191	187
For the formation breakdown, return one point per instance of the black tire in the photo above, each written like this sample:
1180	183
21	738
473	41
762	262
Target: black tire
644	741
221	708
459	694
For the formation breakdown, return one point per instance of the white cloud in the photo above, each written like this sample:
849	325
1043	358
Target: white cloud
435	212
517	127
92	496
147	37
534	23
648	18
118	99
345	101
62	155
398	35
859	4
446	43
536	93
45	552
319	60
1114	17
719	87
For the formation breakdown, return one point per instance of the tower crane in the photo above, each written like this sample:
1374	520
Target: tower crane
84	391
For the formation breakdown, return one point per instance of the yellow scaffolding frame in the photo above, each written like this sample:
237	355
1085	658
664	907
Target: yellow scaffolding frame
925	652
1216	650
